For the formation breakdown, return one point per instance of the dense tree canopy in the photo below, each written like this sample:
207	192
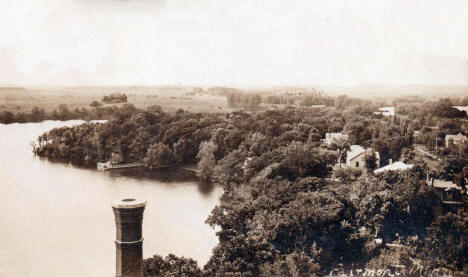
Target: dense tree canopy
282	213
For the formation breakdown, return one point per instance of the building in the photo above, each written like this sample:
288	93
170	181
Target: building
449	192
334	137
456	139
400	166
386	111
355	158
452	197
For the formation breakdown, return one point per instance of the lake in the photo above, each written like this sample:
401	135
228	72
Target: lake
57	219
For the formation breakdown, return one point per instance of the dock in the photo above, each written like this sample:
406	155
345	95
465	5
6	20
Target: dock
110	166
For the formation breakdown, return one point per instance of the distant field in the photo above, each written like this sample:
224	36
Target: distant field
169	98
22	99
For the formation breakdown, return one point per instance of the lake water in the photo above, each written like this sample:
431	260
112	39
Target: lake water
57	220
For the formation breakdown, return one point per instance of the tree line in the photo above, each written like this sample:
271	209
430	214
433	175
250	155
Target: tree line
62	112
115	98
240	99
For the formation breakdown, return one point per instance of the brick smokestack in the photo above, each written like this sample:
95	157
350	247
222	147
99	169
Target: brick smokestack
129	240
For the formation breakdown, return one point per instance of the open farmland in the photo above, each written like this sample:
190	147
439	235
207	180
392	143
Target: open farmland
16	99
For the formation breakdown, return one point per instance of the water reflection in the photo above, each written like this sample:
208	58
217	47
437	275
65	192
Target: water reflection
166	175
205	187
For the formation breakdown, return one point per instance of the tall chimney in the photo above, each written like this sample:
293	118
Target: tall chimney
129	240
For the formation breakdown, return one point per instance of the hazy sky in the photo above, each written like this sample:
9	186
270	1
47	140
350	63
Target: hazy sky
241	43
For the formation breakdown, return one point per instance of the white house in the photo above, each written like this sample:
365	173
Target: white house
355	158
386	111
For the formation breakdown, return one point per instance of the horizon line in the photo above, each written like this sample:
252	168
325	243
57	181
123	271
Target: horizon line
266	86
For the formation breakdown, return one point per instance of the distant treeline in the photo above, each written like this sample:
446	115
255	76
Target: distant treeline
300	97
253	100
62	112
12	88
460	101
115	98
442	108
250	100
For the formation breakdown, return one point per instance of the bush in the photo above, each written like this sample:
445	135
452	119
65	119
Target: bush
95	104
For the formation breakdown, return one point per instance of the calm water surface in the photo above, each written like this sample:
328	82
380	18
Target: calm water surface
56	219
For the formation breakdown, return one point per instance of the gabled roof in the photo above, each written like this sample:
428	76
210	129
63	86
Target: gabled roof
356	150
458	136
394	166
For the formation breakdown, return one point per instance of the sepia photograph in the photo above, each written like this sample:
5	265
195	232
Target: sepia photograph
251	138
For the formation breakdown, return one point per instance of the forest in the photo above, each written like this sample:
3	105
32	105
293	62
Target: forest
283	212
62	112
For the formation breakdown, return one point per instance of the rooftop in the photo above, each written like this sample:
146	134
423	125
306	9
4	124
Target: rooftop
356	150
394	166
458	136
445	184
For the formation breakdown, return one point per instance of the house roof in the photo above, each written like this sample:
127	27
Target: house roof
458	136
394	166
356	150
445	184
